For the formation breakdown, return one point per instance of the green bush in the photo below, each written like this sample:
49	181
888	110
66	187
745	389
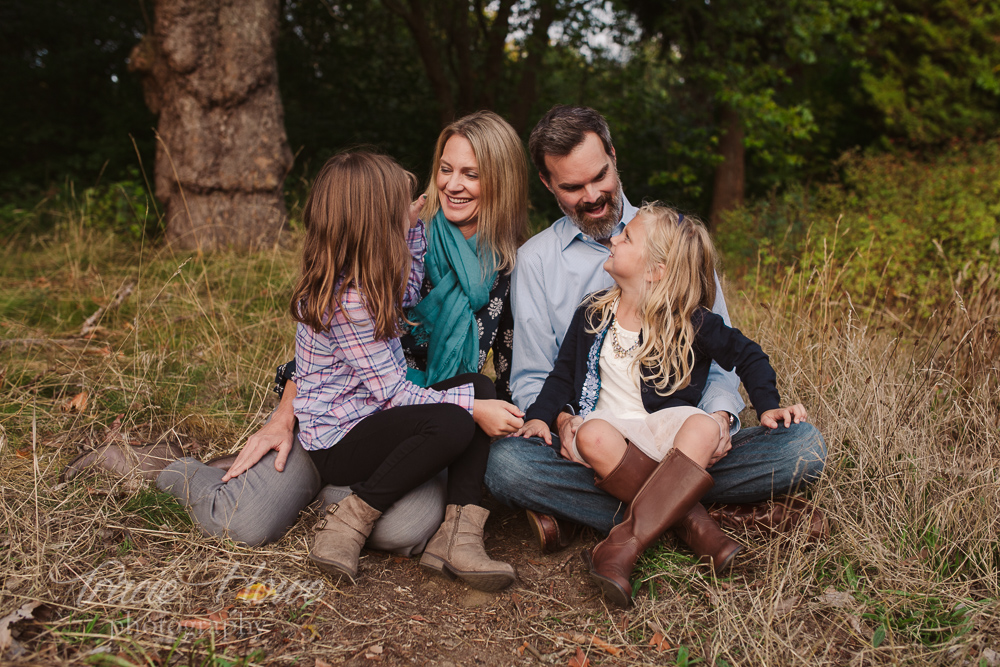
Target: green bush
903	231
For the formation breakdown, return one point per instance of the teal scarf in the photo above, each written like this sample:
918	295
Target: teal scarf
445	318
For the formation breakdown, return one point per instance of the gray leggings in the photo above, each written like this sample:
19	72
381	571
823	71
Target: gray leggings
260	505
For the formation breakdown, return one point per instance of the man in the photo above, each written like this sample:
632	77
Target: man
571	148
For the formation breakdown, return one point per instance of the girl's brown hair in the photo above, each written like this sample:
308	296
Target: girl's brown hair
682	249
355	219
503	179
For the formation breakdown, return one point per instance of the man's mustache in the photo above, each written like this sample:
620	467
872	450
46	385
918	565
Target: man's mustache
587	207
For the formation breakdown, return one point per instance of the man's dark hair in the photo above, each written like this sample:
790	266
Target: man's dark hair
561	130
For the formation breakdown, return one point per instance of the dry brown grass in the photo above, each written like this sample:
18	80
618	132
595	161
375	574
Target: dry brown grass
908	409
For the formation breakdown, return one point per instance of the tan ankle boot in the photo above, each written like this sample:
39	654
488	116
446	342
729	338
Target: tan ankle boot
340	534
456	550
147	461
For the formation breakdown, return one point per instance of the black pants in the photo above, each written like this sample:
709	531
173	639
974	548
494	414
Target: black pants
388	454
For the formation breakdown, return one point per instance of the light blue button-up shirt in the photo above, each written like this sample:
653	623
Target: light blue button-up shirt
555	269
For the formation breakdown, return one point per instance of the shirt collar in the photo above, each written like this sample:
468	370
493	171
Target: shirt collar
567	232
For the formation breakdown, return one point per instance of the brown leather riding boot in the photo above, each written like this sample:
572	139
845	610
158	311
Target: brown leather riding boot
783	514
677	484
697	529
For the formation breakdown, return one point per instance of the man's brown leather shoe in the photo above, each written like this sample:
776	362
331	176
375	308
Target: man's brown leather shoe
550	535
783	514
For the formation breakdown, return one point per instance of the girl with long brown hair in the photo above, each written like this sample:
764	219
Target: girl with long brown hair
361	422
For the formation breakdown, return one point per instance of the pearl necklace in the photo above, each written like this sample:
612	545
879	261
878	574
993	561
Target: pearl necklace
616	346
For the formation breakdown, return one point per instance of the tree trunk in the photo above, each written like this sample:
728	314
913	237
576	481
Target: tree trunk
209	71
729	175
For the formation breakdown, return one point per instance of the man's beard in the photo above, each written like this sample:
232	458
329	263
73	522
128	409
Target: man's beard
602	227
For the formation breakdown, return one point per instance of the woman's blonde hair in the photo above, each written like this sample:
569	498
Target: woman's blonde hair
681	247
503	179
355	218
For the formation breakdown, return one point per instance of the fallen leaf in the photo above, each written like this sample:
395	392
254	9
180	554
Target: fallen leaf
787	605
374	652
22	613
311	629
835	598
220	617
255	593
418	617
23	453
76	404
580	659
521	648
322	663
660	643
858	626
590	640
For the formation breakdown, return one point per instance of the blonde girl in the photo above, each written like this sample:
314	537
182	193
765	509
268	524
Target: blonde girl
361	422
632	367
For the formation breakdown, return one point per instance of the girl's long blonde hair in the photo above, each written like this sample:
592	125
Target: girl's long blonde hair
503	183
683	248
355	218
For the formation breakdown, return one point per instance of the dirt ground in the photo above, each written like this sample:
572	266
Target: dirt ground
134	593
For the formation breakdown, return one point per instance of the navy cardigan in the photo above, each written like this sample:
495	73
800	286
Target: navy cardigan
713	340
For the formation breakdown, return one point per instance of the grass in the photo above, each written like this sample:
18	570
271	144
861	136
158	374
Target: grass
907	405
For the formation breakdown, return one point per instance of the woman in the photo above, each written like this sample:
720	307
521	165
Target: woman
477	207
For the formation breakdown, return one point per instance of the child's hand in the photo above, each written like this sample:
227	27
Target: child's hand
415	210
792	414
496	417
535	428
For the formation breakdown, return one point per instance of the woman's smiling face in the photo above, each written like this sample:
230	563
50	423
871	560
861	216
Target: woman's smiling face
457	182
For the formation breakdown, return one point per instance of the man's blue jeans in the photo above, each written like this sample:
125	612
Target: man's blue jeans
526	473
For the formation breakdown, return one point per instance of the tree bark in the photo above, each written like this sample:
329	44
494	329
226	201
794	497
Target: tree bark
729	175
209	70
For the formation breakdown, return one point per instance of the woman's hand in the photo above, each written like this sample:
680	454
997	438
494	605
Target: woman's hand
415	210
497	417
792	414
276	434
535	428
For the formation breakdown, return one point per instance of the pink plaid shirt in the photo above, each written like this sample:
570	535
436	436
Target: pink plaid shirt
345	375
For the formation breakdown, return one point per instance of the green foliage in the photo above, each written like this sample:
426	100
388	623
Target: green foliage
157	509
901	230
930	68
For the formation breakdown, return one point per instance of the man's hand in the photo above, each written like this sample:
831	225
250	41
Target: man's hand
725	440
276	434
497	417
793	414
